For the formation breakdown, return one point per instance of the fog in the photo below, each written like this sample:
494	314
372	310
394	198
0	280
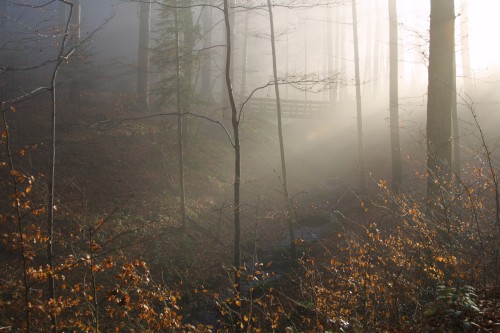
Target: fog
123	117
315	52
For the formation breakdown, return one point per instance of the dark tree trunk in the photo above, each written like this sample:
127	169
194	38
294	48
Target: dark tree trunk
293	250
180	135
440	94
237	151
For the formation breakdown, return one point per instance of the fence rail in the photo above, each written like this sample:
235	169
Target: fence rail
289	108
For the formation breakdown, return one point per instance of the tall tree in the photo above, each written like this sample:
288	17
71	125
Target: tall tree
293	250
359	114
329	52
440	94
206	61
464	47
180	127
235	121
75	85
63	54
377	78
143	55
397	172
244	56
226	104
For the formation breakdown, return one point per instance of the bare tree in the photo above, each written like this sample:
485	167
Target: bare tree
235	121
293	250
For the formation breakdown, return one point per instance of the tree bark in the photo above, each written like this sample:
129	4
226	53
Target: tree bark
361	158
439	103
397	172
293	249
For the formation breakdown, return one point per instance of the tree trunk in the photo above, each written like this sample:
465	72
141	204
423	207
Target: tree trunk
188	62
293	250
75	86
343	94
206	62
180	135
244	56
376	52
368	75
226	104
329	53
237	151
454	128
397	172
143	55
337	46
359	115
52	177
439	104
464	47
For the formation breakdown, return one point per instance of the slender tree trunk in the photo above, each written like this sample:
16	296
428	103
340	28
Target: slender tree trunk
206	62
397	172
361	158
188	62
454	130
143	55
51	183
343	94
244	56
367	71
293	250
237	151
337	53
440	94
464	47
180	135
376	52
75	86
329	52
226	104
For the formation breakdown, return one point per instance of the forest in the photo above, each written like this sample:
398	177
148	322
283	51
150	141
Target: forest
249	166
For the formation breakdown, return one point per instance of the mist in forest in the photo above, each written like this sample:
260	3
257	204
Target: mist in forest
201	155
